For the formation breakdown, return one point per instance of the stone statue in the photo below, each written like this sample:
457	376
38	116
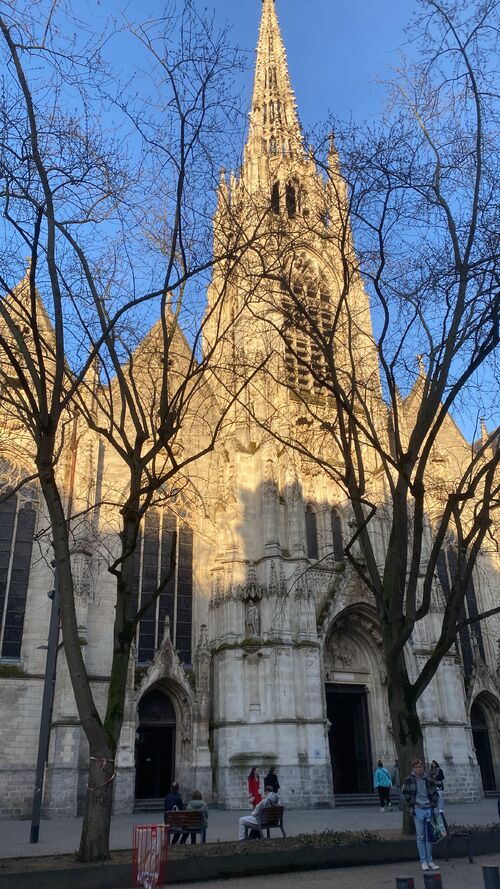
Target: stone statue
252	621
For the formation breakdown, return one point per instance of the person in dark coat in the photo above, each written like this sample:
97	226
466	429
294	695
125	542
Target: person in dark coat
271	779
173	803
437	776
421	797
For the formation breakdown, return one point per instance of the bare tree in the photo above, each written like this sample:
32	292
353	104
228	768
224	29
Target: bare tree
116	228
418	196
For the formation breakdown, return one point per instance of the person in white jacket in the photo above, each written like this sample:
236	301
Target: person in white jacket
270	799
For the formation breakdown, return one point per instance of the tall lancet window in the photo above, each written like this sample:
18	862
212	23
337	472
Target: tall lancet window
311	533
291	199
155	566
275	197
447	564
307	326
17	526
338	542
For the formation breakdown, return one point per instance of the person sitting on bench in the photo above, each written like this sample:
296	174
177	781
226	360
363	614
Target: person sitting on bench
198	805
270	799
174	803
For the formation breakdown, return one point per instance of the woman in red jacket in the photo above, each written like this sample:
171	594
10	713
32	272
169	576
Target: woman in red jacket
254	786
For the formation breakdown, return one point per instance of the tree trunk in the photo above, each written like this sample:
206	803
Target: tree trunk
94	841
95	838
406	725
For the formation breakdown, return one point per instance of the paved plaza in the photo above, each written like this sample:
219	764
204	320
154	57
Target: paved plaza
458	874
62	836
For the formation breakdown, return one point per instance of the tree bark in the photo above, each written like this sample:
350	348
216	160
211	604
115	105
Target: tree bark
95	836
94	840
406	725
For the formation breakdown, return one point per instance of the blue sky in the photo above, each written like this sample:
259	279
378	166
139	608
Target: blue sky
336	49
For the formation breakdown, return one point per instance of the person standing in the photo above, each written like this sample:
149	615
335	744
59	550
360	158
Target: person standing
437	776
254	786
396	783
421	797
271	779
382	782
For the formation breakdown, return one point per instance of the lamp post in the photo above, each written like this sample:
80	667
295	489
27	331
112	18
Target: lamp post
45	716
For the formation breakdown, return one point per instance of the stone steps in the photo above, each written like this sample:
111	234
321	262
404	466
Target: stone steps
356	799
149	805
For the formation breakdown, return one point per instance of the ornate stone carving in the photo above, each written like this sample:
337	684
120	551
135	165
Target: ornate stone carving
294	493
251	590
166	669
202	662
217	592
81	558
273	587
269	485
186	722
343	655
230	481
252	620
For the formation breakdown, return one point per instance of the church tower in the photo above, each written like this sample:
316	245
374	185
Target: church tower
284	224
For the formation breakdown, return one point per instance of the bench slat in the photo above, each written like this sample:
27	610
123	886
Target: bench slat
192	820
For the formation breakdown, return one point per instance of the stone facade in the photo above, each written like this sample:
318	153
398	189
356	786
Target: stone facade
284	657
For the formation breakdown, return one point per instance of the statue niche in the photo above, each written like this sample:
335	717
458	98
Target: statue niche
251	594
252	621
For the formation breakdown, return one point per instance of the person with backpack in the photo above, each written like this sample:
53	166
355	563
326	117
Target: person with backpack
382	782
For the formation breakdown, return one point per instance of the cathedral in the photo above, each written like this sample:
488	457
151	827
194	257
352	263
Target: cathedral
264	647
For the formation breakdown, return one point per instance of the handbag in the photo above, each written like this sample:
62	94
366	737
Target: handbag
435	828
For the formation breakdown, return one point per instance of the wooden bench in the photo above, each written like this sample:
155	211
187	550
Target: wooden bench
186	822
269	817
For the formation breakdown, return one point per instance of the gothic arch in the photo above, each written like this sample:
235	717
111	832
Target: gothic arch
166	674
355	693
359	622
484	715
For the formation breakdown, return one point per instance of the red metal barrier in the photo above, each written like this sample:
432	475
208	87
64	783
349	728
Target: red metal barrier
149	855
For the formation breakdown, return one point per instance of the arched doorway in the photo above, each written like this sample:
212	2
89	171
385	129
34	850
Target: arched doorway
481	741
349	737
356	699
155	746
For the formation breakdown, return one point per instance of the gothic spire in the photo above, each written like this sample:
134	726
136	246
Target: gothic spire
274	124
